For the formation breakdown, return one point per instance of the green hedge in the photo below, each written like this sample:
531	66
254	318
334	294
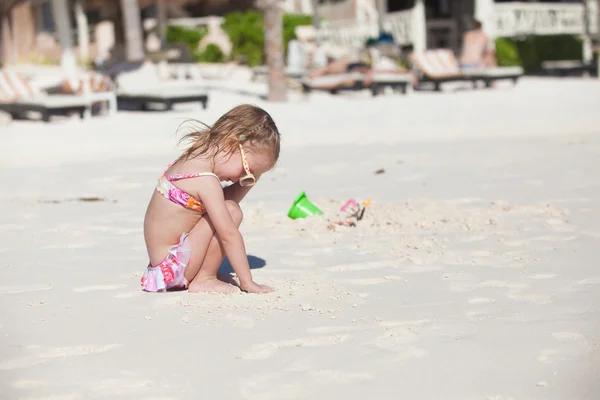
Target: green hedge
246	32
529	52
180	34
211	54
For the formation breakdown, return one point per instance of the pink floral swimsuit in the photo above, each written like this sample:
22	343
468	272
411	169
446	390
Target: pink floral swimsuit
169	274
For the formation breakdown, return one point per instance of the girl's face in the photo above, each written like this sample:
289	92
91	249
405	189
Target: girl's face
231	167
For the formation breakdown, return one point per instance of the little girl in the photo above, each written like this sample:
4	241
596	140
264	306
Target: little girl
192	220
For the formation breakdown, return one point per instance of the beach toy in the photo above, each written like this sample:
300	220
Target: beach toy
302	208
367	202
348	203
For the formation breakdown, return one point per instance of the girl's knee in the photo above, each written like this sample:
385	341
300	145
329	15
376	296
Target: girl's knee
235	211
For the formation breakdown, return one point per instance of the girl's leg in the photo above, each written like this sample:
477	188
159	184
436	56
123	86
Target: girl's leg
207	254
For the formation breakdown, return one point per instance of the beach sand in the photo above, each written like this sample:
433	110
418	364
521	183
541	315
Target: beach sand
473	274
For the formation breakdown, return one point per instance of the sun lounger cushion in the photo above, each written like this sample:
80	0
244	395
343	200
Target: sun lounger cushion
13	86
166	92
439	63
499	71
391	77
95	83
147	80
333	80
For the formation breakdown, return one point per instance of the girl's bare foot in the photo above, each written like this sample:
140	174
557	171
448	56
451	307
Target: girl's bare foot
212	286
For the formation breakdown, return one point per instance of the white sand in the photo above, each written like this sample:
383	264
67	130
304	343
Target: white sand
473	274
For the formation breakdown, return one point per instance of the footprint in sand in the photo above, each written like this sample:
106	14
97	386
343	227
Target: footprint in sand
512	286
69	396
548	355
302	254
481	300
400	337
515	243
27	384
46	355
273	386
589	281
556	238
70	246
567	336
364	266
534	298
24	289
301	262
401	342
323	330
482	253
241	321
474	238
460	282
475	316
95	288
463	287
128	295
80	350
420	269
410	323
266	350
329	169
335	376
373	281
542	276
121	387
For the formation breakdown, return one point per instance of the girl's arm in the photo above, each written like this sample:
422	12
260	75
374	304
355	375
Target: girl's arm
211	194
237	192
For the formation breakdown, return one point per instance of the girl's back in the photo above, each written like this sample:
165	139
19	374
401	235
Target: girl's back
166	220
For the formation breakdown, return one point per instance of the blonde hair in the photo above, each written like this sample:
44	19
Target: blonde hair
242	124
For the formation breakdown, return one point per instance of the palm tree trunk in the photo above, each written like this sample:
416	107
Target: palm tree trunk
62	21
273	17
588	54
83	37
161	11
134	42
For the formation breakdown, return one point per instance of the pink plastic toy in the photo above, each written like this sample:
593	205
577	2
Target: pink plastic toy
348	203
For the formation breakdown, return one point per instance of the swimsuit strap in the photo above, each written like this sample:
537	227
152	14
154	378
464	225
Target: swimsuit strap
176	177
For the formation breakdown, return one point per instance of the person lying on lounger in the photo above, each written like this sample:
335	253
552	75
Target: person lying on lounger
343	68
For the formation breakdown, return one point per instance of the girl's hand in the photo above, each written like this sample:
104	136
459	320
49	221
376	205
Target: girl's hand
256	288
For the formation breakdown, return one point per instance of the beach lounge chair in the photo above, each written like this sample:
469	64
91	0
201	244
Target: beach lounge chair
489	75
145	85
356	81
437	67
382	72
97	87
440	65
18	98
